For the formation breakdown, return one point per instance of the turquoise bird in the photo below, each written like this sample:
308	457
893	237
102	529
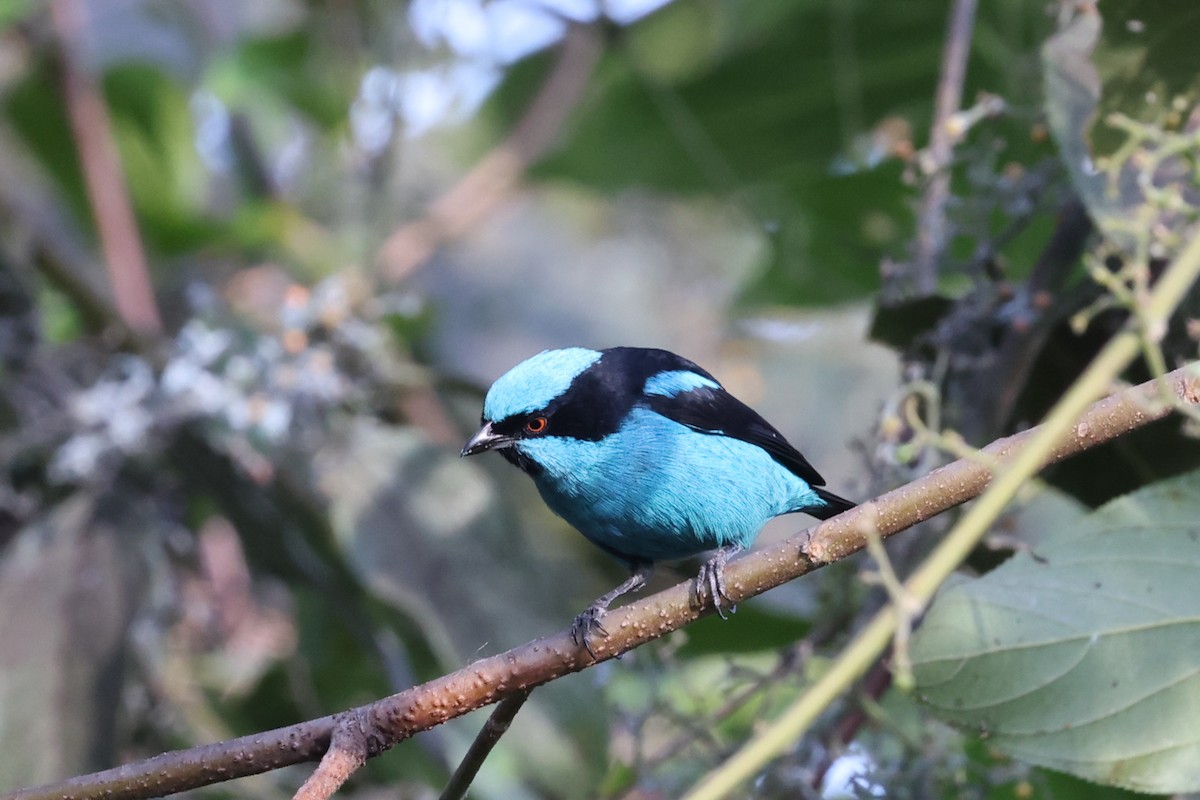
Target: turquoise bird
649	457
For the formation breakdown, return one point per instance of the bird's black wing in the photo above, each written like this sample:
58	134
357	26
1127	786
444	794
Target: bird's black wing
716	411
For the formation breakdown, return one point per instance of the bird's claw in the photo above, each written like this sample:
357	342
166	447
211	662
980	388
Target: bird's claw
585	625
712	579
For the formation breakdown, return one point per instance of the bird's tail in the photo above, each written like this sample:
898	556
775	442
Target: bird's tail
834	505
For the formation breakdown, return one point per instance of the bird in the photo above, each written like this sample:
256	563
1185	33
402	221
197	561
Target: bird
650	458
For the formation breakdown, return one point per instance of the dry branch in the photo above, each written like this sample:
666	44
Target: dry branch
350	745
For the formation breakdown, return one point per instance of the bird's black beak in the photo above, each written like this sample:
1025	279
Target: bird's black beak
486	439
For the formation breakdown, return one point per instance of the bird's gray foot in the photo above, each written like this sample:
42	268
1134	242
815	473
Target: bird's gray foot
588	622
586	625
712	579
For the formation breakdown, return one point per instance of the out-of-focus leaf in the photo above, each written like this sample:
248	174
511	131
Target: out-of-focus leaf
153	127
1083	658
60	319
752	629
1072	95
13	10
287	67
34	109
744	110
1147	63
69	586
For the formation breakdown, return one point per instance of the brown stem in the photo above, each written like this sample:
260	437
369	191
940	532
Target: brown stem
107	193
350	745
931	228
480	191
488	680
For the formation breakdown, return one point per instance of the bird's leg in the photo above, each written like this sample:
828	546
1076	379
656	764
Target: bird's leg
712	577
589	620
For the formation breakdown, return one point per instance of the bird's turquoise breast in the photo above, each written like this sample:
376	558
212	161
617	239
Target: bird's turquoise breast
657	489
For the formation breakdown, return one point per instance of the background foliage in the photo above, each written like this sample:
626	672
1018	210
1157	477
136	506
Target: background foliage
254	513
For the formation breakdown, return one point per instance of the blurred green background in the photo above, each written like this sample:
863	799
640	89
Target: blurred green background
237	503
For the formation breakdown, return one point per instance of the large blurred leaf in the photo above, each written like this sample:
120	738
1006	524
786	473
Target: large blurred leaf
1082	656
69	586
755	102
287	67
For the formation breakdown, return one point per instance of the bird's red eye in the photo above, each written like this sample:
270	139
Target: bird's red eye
536	424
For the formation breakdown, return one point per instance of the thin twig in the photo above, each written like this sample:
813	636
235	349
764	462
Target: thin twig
492	730
931	228
108	195
492	679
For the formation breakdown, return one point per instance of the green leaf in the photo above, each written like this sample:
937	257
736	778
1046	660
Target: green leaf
1058	786
288	67
1082	656
12	11
167	182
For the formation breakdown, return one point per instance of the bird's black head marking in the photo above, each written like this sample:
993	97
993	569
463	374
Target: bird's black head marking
600	397
596	402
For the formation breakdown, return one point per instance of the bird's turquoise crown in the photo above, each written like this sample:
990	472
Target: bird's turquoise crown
536	381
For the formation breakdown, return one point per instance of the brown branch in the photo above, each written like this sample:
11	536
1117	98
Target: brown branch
931	227
351	744
107	193
480	191
395	718
493	729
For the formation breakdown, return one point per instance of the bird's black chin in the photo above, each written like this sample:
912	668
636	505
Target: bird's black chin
521	461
